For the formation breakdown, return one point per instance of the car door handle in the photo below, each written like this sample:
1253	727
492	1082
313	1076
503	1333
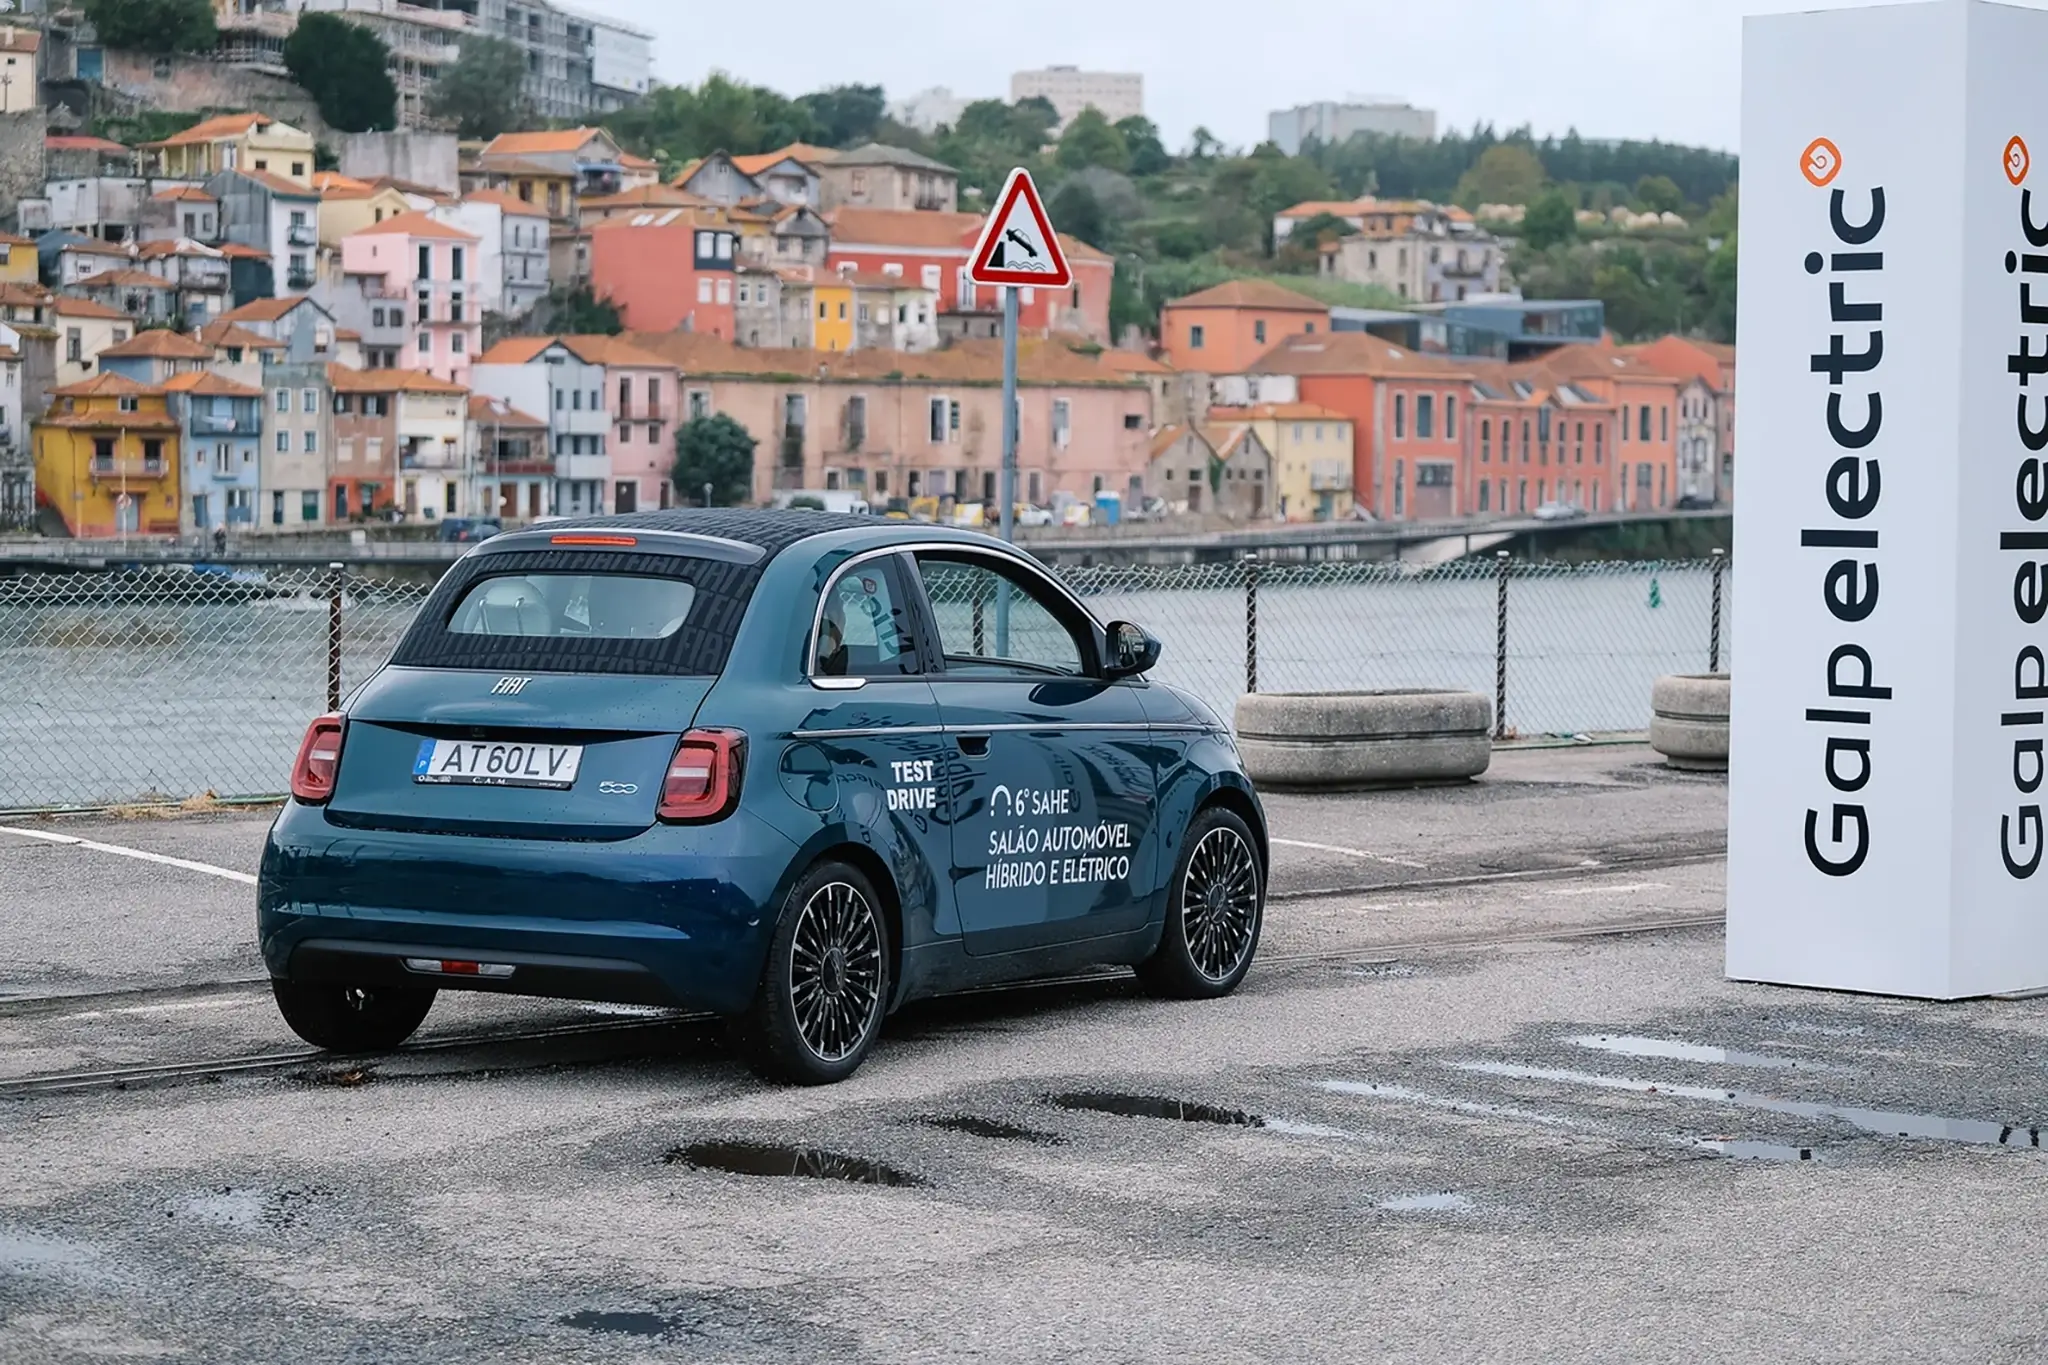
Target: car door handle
974	746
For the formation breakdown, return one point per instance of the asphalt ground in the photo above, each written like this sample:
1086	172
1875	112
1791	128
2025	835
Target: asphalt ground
1486	1098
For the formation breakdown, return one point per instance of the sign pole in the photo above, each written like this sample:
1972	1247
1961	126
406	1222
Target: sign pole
1009	479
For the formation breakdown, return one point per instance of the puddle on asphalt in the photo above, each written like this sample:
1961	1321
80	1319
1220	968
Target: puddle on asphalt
1630	1045
25	1253
626	1324
1744	1150
1443	1201
246	1209
1401	1093
974	1125
761	1158
1878	1122
1155	1107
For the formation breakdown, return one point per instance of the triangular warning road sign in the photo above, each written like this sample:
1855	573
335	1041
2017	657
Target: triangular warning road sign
1018	245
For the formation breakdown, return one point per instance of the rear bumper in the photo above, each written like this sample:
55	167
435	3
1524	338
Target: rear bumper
678	915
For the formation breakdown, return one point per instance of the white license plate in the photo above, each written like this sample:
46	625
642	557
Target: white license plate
493	763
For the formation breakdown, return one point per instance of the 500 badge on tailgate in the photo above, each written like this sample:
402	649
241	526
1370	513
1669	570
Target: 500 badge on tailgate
479	763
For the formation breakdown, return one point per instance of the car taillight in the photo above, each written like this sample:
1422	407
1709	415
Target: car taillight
703	781
319	759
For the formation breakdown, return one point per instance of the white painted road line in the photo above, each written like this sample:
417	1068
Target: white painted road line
1610	889
1350	853
120	851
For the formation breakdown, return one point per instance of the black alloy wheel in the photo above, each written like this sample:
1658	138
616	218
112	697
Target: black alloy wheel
826	985
351	1018
1215	911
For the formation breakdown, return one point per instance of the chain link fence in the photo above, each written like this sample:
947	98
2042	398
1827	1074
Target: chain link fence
158	684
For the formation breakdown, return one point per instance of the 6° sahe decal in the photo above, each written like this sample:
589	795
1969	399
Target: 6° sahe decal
1089	852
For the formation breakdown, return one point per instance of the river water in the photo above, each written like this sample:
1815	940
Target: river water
117	688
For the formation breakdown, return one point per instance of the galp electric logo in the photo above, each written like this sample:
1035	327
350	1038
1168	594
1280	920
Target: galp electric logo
1820	163
2016	160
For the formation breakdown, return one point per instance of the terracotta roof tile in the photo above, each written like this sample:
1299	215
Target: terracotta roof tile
160	343
69	307
75	142
126	279
1354	353
537	143
795	151
218	128
484	410
417	223
1134	362
207	384
264	310
277	184
906	228
646	196
1251	294
222	333
1164	438
347	380
185	192
105	385
515	350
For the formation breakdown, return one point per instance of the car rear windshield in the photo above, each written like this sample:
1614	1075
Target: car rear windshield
556	606
582	611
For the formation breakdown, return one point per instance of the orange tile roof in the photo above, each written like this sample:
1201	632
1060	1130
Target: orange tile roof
1278	412
207	384
636	163
264	310
347	380
514	350
222	333
160	343
329	180
10	239
85	308
510	203
219	128
126	279
107	385
277	184
1134	362
646	196
15	38
93	247
1164	438
1251	294
417	223
180	192
75	142
1336	208
529	144
610	350
243	250
23	292
903	228
109	417
795	151
1354	353
483	410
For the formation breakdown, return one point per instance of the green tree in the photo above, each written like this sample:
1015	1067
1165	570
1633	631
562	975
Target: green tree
1076	211
1203	146
846	115
343	66
1503	174
154	25
1549	221
1659	194
721	115
1092	140
1148	153
483	94
718	451
576	311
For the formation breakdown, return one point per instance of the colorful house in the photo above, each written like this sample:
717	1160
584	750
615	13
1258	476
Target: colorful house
220	431
435	266
157	355
668	269
231	142
106	456
19	263
1309	448
1226	329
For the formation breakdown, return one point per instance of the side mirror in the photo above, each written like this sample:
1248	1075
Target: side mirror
1132	650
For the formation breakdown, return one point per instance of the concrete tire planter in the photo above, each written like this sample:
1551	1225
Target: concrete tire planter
1311	740
1689	720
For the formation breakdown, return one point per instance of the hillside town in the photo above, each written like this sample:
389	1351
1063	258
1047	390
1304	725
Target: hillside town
208	333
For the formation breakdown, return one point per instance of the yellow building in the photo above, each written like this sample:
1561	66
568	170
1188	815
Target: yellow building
17	259
230	142
20	85
351	206
832	319
1311	448
107	458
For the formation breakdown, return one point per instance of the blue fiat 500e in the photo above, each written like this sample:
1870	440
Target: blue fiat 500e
786	767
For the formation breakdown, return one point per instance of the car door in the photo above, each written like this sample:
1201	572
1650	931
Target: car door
1050	774
870	744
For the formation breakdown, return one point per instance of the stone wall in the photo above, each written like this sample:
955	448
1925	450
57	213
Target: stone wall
139	80
418	158
21	159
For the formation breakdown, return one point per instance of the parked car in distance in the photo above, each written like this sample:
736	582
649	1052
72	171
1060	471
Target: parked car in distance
790	768
1027	515
1695	502
1559	511
467	529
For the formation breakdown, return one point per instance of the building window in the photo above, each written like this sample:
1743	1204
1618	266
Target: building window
1485	502
1062	418
1259	330
282	400
725	293
1525	440
704	289
309	506
937	428
309	400
283	443
1643	428
1425	416
700	404
1195	338
1664	423
1400	416
311	445
455	263
426	345
1450	417
1400	489
1599	432
1485	442
458	343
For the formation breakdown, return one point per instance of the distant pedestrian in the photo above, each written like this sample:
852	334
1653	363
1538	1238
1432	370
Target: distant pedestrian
220	540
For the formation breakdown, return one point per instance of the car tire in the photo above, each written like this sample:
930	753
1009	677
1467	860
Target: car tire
825	989
1208	946
351	1018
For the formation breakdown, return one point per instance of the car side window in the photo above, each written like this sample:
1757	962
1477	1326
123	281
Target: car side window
865	629
994	621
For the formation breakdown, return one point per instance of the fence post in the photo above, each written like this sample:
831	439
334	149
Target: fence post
334	586
1500	646
1714	631
1251	621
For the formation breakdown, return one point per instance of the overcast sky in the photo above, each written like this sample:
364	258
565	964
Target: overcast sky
1610	68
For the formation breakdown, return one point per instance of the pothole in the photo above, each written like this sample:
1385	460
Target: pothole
626	1323
1743	1149
762	1158
974	1125
345	1077
1155	1107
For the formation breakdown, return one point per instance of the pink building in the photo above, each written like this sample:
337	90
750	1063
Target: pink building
435	265
642	391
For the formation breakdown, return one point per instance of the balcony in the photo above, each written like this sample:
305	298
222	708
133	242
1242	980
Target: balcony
298	279
128	467
213	424
301	234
